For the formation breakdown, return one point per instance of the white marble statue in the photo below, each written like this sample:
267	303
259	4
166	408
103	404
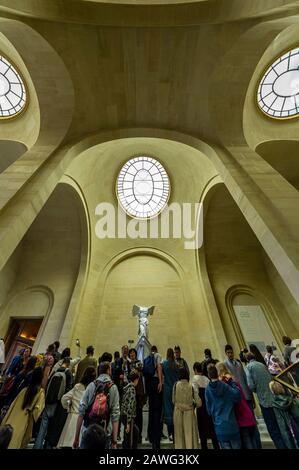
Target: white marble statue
142	313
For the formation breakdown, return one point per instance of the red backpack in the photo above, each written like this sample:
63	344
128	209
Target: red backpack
99	412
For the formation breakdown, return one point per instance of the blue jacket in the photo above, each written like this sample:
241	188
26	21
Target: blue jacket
220	401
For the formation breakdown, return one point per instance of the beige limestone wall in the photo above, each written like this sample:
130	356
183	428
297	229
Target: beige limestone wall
48	261
8	276
104	291
290	307
234	257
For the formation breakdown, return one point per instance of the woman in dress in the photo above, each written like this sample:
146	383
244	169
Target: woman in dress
170	372
185	399
25	411
70	401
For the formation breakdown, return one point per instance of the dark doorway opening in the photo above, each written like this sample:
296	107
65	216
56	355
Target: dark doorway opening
22	333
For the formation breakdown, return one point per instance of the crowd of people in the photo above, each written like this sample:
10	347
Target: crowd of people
56	401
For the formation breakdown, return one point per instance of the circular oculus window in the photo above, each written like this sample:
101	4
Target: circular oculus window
278	91
143	187
12	90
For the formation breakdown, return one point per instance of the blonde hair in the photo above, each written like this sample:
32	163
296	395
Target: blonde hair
222	368
276	388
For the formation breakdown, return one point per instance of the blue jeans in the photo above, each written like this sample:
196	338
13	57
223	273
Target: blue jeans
273	428
46	416
234	444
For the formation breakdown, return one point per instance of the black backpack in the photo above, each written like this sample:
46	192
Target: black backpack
56	388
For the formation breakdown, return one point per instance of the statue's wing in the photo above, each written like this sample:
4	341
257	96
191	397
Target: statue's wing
151	310
135	310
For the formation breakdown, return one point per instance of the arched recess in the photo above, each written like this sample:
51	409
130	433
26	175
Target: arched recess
143	277
253	318
10	151
50	254
283	155
234	256
45	122
35	302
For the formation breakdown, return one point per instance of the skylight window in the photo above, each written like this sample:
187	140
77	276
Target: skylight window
143	187
278	91
12	90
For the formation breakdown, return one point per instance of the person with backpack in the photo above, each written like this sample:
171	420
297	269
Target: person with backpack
152	371
128	411
59	383
100	405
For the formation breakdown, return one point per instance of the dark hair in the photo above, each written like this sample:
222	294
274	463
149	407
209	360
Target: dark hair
30	364
57	345
51	348
133	350
106	357
212	371
177	348
90	350
154	349
104	367
116	355
286	340
249	356
65	353
269	349
242	355
228	347
184	374
66	361
170	357
88	376
133	375
207	352
258	356
6	432
94	438
197	367
33	388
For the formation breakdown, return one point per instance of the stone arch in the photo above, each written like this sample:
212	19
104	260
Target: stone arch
232	255
44	124
10	151
266	308
53	252
144	277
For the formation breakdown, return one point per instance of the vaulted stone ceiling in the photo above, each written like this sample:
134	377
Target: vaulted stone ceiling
155	65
